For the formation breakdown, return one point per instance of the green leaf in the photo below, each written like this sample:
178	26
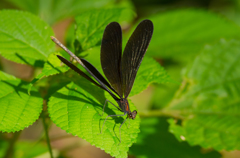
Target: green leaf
91	25
184	32
24	38
4	76
77	107
149	72
155	141
18	109
209	99
51	67
52	11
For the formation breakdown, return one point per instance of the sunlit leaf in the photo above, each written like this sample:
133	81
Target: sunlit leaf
149	72
51	67
4	76
77	107
18	109
24	38
91	25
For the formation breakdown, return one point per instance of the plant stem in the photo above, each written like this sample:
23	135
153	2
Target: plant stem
10	150
46	133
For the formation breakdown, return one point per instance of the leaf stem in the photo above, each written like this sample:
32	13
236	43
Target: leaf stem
46	133
10	150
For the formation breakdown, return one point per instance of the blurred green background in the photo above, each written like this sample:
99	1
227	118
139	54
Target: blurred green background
189	41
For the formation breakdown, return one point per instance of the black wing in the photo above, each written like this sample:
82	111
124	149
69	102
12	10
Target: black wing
97	74
76	69
111	52
134	53
103	86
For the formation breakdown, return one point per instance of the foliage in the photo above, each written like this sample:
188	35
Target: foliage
24	37
209	98
161	143
186	31
90	26
18	109
198	88
77	108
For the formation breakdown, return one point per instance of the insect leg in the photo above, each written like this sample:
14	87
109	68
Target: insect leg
110	116
120	131
111	103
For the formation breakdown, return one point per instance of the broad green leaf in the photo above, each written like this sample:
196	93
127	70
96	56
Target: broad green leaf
4	76
49	85
184	32
91	25
18	109
127	15
149	72
51	67
52	11
24	38
208	101
77	107
155	141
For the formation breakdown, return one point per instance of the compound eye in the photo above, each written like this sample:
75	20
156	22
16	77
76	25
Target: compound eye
129	115
134	113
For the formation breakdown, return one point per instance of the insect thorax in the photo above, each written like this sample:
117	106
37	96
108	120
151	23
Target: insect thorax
124	105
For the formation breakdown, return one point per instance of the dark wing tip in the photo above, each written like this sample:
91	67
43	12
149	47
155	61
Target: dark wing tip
112	26
113	23
59	57
148	24
147	21
62	58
